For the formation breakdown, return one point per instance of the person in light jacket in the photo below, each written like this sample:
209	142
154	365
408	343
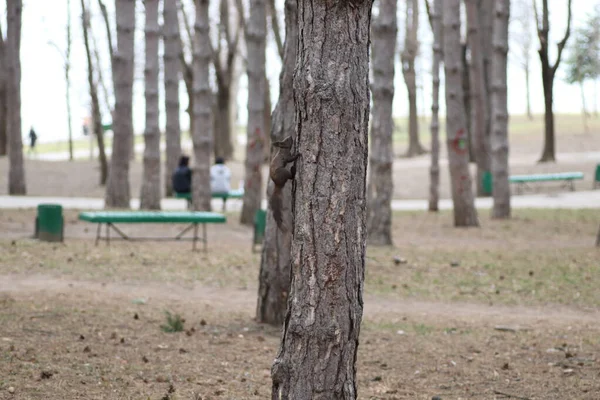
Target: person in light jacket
220	177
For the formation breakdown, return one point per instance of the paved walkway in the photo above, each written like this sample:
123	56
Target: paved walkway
569	200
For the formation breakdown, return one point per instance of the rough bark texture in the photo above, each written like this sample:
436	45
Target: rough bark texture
171	77
479	94
150	192
317	358
117	188
499	135
381	184
256	32
548	74
16	168
95	104
407	57
3	105
203	124
434	169
275	264
465	213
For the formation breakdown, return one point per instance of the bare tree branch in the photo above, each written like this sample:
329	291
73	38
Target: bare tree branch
429	16
563	42
111	48
275	26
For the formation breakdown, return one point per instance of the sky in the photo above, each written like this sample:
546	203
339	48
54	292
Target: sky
43	87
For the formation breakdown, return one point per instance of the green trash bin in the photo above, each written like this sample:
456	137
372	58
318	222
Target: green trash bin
487	182
49	223
260	223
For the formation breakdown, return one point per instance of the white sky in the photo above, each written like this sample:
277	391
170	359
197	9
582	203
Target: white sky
44	90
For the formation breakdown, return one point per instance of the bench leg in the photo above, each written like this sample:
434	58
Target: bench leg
108	234
195	237
98	231
204	236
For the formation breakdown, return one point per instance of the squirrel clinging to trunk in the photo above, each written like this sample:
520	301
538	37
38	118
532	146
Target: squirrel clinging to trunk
280	175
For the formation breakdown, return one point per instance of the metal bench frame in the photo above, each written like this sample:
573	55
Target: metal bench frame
566	184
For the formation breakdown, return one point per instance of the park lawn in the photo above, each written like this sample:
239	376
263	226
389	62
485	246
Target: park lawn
79	321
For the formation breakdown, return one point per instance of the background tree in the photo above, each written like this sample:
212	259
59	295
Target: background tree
548	73
522	40
478	88
465	213
499	109
3	99
381	184
16	169
317	357
202	136
150	192
256	31
598	238
95	104
117	187
435	20
407	57
274	276
583	61
172	49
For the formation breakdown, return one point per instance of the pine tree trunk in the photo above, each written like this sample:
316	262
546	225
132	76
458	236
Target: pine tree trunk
16	168
222	138
274	277
203	101
96	113
411	49
466	85
479	112
3	99
548	153
256	32
381	184
465	213
499	138
171	76
150	192
317	357
267	113
117	189
434	169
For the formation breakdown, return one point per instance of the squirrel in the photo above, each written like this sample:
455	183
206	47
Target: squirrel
280	175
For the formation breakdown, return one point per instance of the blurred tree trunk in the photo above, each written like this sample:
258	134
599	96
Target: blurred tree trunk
434	170
117	189
499	136
479	94
3	98
598	238
548	74
96	113
68	79
457	143
381	184
407	57
171	78
274	276
466	85
150	192
256	31
317	357
16	168
203	99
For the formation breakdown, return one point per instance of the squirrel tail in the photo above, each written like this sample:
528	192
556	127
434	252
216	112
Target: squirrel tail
276	205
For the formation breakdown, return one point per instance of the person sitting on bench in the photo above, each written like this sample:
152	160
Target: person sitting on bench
182	177
220	177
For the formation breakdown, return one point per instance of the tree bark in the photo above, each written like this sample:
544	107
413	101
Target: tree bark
96	113
171	78
267	116
117	189
317	357
223	135
381	184
434	169
499	137
150	192
256	32
408	56
465	213
466	85
3	98
275	263
479	94
16	168
203	124
548	74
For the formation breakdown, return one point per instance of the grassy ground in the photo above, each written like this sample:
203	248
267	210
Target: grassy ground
511	307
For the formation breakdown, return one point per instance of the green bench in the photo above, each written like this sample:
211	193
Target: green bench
232	194
597	177
192	218
523	181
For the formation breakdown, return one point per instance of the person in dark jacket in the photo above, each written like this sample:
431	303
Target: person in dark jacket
182	177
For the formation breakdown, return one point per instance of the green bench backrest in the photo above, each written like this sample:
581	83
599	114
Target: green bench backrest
597	177
260	223
152	217
560	176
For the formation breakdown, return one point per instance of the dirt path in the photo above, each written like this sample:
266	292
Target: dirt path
243	301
